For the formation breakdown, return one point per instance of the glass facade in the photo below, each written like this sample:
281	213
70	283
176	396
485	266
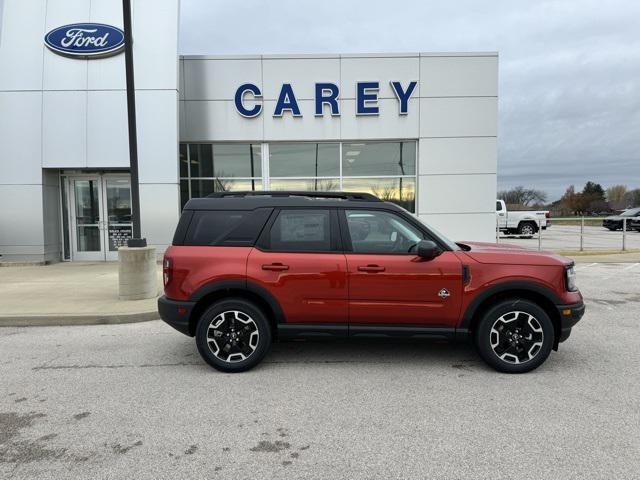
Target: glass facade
386	169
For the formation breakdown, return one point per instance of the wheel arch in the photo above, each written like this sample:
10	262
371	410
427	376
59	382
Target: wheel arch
214	291
540	295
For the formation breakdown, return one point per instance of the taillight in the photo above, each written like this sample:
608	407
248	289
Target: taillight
167	270
547	214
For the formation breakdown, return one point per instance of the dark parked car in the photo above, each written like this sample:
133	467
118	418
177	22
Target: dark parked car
634	224
615	221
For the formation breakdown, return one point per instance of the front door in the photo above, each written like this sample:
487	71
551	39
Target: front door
298	261
389	285
100	207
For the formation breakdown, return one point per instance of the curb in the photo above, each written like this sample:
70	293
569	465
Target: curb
75	319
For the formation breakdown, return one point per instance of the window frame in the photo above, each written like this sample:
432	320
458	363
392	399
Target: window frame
335	241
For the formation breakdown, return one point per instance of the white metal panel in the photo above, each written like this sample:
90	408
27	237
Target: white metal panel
219	120
382	69
457	155
21	216
159	213
301	73
307	127
21	59
64	73
388	124
458	76
107	133
157	128
20	134
219	79
456	193
479	227
458	117
155	46
64	129
107	73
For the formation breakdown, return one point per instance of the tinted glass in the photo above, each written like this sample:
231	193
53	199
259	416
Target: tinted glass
304	159
184	166
237	160
201	160
401	191
633	212
184	192
498	206
316	184
209	228
379	158
301	231
380	232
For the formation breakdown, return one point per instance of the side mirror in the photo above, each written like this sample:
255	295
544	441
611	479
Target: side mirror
428	250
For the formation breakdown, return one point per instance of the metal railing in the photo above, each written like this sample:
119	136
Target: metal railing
582	235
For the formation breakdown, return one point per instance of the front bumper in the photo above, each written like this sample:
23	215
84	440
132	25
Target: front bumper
569	316
176	313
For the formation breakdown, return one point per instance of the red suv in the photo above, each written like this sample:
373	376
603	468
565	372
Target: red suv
248	267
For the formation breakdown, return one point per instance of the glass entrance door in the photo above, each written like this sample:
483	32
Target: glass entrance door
100	216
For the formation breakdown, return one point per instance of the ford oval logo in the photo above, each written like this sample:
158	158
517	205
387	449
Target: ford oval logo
85	40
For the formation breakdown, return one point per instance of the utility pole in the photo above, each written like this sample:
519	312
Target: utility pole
136	240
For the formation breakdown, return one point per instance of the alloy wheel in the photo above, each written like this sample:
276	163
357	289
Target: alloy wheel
516	337
232	336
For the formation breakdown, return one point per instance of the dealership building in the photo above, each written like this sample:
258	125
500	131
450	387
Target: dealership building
418	129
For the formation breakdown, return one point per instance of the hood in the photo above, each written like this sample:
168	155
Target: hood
617	218
504	253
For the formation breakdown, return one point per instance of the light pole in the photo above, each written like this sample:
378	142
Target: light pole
136	240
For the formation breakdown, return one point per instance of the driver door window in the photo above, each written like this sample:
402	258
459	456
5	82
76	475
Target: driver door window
374	231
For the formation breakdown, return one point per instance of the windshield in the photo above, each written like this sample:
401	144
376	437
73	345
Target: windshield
630	213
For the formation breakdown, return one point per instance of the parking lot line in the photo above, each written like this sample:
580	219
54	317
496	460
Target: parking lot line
586	266
631	266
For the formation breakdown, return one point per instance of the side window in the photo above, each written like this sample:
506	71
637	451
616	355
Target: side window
301	231
211	226
374	231
498	206
225	227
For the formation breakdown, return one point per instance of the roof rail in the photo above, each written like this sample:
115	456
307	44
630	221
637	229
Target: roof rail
353	196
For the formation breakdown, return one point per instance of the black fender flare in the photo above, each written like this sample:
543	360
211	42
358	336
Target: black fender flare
506	286
241	285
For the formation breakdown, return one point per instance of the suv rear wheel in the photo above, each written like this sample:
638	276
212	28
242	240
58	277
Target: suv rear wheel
233	335
514	336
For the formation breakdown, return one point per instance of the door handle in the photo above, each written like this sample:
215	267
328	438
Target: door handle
275	267
371	268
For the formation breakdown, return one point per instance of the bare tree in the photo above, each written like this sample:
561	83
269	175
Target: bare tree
616	196
522	196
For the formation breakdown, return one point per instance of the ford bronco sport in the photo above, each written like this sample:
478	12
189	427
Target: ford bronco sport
246	268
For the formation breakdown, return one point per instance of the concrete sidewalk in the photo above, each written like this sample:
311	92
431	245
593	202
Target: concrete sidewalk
68	294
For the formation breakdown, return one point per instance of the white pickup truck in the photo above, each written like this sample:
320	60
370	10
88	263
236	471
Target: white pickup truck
523	222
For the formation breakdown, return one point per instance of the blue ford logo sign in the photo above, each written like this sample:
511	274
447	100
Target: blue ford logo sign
85	40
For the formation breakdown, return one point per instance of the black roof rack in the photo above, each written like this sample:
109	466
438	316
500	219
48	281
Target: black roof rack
354	196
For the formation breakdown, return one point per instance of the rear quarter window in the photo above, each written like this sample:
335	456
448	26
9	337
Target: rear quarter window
226	227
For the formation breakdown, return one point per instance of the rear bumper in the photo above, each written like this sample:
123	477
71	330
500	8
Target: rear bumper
176	313
569	316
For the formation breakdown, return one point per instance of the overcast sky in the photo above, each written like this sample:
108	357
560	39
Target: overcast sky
569	93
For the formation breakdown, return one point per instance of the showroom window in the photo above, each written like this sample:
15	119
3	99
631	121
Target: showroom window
206	168
385	169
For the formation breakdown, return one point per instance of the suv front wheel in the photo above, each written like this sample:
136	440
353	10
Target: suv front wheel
514	336
233	335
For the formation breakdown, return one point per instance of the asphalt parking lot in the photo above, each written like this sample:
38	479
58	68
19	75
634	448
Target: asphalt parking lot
567	237
136	401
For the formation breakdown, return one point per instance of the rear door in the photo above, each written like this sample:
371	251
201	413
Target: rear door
389	285
298	259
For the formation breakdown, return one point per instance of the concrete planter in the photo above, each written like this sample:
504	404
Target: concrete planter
137	277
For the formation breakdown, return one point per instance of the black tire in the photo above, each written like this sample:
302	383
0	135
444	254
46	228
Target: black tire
527	229
494	336
613	229
240	318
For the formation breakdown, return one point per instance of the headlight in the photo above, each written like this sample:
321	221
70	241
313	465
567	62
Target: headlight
570	278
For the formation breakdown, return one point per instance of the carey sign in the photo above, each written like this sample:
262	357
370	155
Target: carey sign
248	99
85	40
